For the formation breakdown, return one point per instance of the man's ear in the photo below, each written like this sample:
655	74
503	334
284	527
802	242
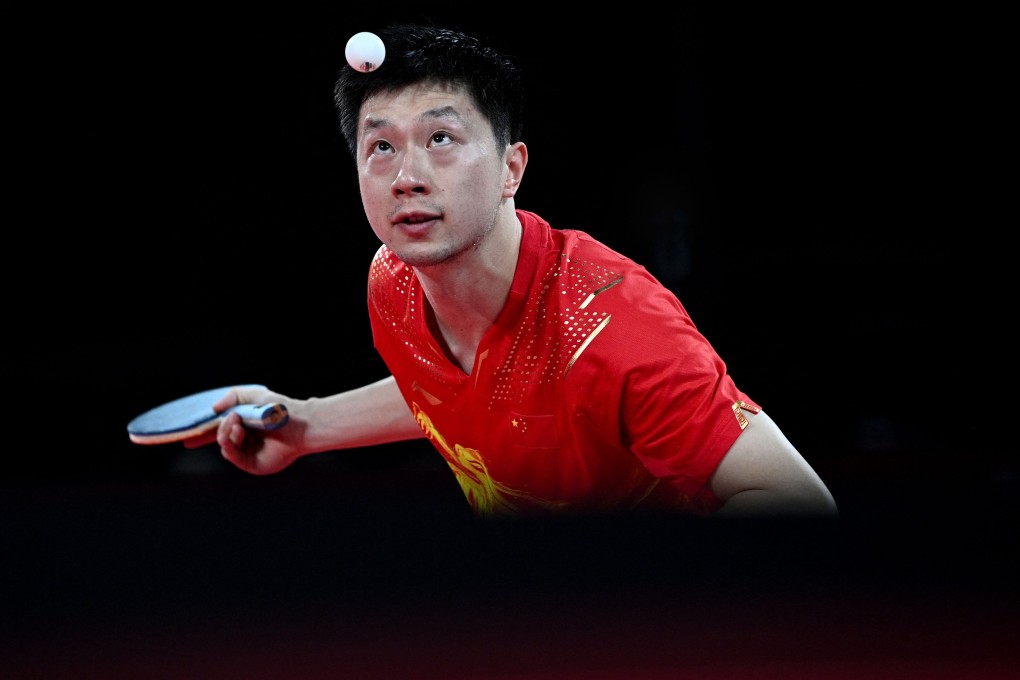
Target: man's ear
516	161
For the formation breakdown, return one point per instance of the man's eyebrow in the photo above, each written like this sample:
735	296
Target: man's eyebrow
442	112
430	114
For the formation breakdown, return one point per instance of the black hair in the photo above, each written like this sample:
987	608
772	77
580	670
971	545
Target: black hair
416	53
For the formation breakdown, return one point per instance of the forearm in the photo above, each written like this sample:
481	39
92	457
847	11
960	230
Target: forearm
365	416
769	503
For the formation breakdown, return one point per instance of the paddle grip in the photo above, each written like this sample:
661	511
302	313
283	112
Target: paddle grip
262	416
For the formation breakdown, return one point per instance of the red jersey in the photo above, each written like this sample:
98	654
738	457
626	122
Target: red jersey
593	391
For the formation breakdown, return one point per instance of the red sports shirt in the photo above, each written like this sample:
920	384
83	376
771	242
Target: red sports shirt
592	392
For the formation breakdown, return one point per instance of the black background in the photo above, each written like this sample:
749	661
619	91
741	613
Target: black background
187	216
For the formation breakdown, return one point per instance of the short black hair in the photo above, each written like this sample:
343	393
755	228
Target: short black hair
417	53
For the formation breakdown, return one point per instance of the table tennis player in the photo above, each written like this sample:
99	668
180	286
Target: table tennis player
552	373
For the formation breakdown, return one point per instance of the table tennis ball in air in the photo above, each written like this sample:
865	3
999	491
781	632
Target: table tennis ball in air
365	51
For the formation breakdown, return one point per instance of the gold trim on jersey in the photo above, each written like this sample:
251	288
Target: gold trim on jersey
584	345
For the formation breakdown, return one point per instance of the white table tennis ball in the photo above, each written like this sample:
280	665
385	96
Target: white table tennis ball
365	51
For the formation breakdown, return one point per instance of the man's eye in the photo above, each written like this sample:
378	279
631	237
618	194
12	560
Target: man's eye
440	138
383	147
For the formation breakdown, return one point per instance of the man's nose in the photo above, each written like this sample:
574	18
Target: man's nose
411	175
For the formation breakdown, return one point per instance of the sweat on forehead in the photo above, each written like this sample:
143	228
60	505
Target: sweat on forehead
375	118
427	100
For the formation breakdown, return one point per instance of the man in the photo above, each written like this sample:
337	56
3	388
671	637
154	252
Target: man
553	374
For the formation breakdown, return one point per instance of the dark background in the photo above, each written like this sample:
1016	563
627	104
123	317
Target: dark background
188	217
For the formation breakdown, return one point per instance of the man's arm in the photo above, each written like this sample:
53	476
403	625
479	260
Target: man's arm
764	474
365	416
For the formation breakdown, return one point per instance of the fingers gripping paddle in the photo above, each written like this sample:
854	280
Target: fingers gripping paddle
192	415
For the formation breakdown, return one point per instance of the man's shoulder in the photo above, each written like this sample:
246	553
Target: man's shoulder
570	241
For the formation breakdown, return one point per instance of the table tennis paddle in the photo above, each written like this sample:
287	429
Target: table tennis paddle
192	415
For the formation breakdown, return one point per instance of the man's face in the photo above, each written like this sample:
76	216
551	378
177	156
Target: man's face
430	175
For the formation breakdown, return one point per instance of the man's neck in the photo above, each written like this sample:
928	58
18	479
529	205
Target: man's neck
466	296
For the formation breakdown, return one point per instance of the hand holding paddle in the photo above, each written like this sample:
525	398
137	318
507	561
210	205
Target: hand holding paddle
193	415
